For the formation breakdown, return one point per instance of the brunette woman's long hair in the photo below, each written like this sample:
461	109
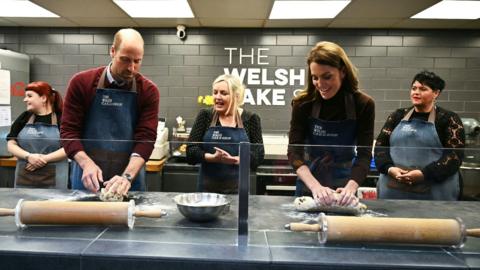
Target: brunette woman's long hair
330	54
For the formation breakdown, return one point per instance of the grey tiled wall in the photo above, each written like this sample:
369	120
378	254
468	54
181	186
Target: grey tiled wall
387	60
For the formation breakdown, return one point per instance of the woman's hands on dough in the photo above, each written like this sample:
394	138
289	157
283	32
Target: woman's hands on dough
347	193
323	195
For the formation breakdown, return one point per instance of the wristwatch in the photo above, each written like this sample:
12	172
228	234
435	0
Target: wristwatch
128	177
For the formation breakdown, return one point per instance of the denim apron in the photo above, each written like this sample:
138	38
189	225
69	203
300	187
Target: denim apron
413	145
219	177
108	136
41	138
330	165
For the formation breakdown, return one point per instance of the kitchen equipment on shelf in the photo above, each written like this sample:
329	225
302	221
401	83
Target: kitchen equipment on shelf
275	176
202	206
470	169
77	213
417	231
472	141
275	145
178	145
161	146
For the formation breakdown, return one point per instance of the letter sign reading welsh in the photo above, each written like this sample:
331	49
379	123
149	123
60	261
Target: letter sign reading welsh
264	86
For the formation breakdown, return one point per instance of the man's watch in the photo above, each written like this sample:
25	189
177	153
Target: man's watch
128	177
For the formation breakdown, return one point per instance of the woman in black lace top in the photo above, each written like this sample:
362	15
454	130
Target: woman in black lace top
220	130
419	149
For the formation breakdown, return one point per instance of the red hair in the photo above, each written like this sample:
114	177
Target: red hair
44	89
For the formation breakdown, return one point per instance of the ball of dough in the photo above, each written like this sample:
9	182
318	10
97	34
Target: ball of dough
307	203
108	196
304	203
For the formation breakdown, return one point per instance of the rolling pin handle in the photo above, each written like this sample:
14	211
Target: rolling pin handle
473	232
7	212
150	213
302	227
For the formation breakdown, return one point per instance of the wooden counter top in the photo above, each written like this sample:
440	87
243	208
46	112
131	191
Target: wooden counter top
155	165
8	162
152	165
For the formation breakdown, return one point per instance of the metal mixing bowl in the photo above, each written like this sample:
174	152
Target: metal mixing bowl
202	206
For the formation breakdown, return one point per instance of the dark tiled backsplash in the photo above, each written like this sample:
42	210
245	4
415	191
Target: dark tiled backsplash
387	60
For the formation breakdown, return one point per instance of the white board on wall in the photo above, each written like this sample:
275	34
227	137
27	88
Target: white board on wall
5	116
5	87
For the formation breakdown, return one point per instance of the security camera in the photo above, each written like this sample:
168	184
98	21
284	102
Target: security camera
181	33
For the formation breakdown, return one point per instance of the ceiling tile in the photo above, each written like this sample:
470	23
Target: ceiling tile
429	24
363	22
379	14
6	22
224	22
154	22
385	8
298	23
84	8
233	9
104	22
472	24
42	22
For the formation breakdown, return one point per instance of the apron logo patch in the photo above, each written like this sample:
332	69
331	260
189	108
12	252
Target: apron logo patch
34	132
218	136
108	101
409	128
319	131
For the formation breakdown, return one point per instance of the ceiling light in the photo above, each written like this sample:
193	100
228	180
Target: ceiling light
24	9
451	10
307	9
156	8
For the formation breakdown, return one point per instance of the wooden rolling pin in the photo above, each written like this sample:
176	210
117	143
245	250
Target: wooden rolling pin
442	232
77	213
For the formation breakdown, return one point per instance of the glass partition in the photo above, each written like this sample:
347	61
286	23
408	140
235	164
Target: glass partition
252	195
440	177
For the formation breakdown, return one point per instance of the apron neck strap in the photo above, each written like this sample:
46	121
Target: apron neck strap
431	115
408	115
54	121
31	119
316	108
101	81
214	119
349	107
238	119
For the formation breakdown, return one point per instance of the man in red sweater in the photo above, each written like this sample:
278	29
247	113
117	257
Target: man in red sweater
109	120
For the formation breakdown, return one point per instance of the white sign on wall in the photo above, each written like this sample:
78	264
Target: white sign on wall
5	116
264	87
4	86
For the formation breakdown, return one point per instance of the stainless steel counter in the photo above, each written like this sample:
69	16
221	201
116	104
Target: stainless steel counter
173	242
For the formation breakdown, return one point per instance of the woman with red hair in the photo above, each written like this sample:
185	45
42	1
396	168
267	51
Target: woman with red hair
35	140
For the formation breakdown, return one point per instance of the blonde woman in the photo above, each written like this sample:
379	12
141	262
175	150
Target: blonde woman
331	111
220	129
